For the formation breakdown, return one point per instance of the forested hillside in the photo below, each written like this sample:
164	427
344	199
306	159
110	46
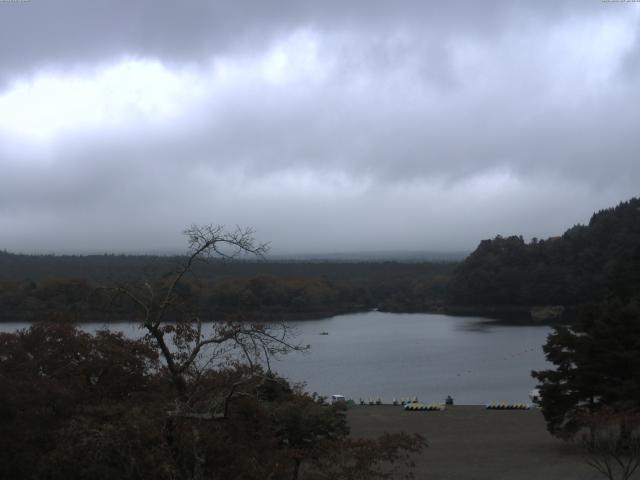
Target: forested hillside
70	286
587	263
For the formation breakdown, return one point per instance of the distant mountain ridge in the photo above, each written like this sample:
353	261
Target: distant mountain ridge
587	263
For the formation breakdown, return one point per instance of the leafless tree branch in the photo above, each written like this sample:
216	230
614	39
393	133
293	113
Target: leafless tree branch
155	299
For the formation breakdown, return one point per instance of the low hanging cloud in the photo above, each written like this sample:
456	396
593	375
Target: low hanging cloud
326	127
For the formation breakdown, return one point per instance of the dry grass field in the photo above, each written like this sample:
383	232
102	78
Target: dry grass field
471	443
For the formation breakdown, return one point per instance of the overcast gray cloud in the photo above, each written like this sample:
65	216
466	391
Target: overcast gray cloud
327	127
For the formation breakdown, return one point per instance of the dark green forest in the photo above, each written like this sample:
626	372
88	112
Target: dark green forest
587	263
503	277
48	285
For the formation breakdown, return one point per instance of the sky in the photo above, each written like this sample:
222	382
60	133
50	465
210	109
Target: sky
326	126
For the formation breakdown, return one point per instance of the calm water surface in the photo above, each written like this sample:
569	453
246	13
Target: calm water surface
387	355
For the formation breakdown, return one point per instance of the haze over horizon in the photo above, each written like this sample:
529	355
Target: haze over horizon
326	126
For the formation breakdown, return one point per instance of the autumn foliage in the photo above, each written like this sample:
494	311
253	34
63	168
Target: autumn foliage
102	406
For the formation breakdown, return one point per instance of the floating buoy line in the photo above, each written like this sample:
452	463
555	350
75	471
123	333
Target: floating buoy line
508	406
412	404
422	407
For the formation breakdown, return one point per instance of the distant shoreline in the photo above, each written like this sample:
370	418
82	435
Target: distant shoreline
495	315
515	315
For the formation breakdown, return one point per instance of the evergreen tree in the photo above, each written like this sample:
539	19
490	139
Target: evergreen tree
597	362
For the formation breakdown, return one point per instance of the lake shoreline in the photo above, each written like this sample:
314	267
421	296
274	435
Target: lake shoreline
511	315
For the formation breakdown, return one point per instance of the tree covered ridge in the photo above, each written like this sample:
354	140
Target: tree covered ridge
40	287
588	262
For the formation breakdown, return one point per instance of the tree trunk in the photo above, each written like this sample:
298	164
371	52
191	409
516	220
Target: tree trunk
296	468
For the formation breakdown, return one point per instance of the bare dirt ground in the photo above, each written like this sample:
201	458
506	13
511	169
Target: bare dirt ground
469	442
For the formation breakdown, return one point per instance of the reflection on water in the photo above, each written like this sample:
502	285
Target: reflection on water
389	355
477	326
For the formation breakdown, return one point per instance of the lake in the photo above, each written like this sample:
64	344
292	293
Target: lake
391	355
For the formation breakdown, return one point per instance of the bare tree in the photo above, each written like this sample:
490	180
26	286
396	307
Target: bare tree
212	362
190	346
611	442
176	328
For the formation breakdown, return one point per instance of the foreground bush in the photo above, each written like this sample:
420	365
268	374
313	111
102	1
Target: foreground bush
79	406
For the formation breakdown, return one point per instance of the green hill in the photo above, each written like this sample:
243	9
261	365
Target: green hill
587	263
